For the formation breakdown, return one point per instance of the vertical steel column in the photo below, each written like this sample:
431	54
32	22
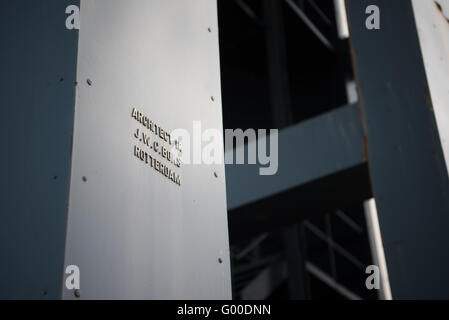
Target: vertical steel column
407	167
277	64
282	117
296	263
37	98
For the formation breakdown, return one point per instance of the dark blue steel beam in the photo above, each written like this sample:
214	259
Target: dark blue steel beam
37	99
406	164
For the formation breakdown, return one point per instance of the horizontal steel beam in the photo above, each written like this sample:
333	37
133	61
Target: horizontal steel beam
316	159
308	151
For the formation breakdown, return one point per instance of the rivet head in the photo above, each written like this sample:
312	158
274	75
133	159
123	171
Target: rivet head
77	293
89	82
84	179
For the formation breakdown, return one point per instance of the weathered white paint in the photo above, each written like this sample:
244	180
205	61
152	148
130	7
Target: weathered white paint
132	232
377	247
433	32
341	18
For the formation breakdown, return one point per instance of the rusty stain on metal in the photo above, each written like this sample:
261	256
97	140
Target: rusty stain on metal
428	100
441	20
443	12
365	147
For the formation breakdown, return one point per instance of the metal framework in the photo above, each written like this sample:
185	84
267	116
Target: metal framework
387	146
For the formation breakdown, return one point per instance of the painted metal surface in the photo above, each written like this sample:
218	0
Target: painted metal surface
444	6
132	232
37	98
433	32
405	155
